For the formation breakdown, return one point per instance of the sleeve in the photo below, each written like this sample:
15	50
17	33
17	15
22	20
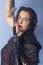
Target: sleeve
4	58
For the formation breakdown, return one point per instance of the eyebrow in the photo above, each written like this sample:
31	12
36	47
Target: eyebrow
24	17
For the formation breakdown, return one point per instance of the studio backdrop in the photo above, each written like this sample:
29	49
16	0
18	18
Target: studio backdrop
5	31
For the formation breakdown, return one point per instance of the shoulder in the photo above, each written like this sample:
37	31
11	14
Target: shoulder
8	45
6	50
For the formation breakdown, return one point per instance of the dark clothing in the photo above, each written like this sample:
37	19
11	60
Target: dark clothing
29	49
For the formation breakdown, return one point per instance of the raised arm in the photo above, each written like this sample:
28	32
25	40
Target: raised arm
9	13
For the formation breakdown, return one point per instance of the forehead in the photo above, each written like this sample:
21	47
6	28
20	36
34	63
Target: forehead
24	13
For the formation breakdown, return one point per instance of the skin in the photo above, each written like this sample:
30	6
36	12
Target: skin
23	19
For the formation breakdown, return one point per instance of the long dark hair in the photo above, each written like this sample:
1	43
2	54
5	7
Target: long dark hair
33	16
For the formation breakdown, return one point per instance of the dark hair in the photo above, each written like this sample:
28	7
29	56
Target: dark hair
33	16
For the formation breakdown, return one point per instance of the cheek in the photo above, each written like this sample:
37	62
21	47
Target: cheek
26	24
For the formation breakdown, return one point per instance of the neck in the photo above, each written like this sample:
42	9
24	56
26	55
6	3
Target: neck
19	33
27	32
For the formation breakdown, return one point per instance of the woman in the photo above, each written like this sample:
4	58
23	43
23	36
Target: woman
29	47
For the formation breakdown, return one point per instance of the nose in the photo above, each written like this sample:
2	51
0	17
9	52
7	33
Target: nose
21	21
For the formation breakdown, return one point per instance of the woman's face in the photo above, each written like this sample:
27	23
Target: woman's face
23	20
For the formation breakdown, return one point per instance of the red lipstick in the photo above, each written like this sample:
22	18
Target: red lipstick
20	26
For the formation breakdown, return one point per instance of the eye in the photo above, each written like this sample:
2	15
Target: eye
25	19
19	17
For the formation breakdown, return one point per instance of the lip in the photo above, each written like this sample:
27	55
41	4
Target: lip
20	26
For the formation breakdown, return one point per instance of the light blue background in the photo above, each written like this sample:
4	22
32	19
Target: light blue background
5	31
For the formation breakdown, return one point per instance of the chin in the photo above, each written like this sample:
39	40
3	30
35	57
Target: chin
19	35
21	30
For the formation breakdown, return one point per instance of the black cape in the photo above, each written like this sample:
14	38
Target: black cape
28	37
